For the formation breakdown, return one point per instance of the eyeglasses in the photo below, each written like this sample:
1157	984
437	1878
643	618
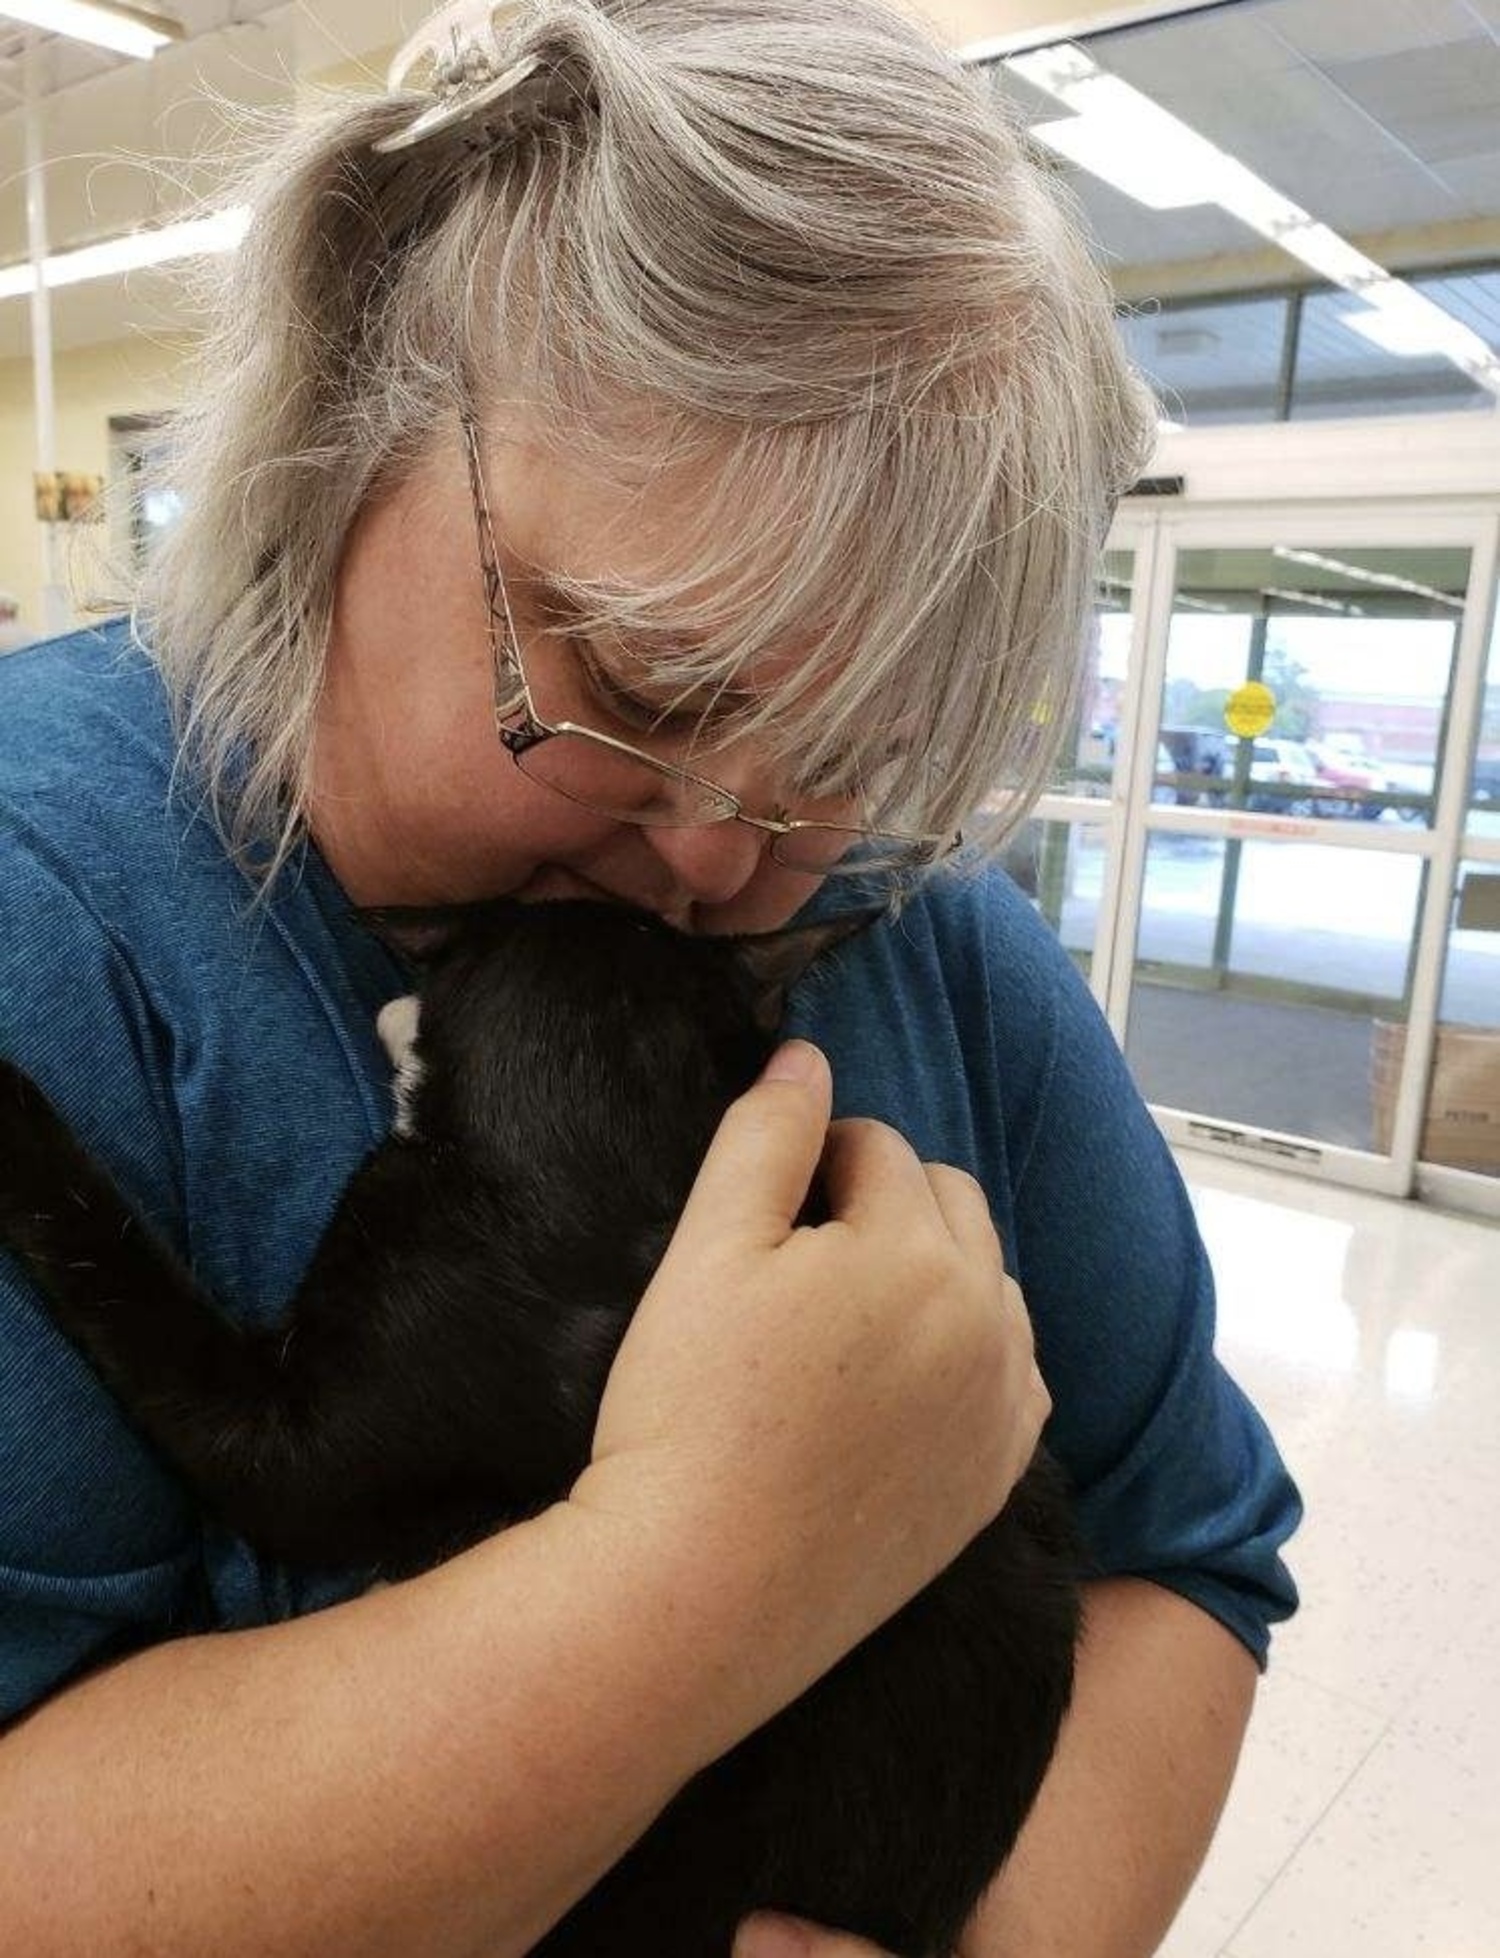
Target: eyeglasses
615	779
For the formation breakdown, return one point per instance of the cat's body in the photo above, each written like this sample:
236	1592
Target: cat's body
439	1372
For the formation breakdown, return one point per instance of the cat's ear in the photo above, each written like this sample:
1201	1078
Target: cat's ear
418	932
776	960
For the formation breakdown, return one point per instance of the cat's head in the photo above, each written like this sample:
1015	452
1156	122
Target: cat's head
580	1027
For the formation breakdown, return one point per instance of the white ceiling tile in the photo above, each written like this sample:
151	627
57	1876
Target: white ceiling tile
1373	116
1475	182
1325	30
1440	101
1195	50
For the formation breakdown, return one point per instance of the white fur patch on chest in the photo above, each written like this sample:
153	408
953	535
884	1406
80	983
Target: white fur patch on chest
396	1023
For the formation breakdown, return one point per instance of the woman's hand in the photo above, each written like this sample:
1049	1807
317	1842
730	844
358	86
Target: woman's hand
814	1419
769	1936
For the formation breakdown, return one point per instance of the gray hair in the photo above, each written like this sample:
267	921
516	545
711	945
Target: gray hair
801	246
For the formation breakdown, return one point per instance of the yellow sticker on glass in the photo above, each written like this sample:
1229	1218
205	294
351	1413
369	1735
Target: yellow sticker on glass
1250	709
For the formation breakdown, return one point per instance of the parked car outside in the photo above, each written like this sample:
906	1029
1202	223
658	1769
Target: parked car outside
1284	774
1412	782
1163	787
1196	752
1361	782
1484	789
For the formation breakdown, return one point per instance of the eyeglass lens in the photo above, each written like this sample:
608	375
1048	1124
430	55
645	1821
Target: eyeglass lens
617	780
589	770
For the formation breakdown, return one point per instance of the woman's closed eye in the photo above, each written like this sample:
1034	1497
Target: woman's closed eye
621	703
612	696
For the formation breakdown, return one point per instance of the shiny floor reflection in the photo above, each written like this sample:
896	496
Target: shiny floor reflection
1366	1814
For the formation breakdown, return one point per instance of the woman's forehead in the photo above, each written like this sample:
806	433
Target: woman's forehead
662	546
581	519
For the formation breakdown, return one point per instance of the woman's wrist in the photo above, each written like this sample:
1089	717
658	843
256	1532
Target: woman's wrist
439	1766
694	1617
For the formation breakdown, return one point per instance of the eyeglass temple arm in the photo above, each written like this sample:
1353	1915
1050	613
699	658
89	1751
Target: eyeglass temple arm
505	646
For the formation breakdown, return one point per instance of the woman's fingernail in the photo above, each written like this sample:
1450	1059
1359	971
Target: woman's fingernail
794	1060
768	1936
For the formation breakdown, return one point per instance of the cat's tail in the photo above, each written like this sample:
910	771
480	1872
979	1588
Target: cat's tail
272	1433
199	1387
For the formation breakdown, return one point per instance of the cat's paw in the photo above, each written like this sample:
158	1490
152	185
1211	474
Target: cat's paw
397	1024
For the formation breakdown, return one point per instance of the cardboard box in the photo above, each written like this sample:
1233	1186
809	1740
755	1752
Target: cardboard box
1462	1122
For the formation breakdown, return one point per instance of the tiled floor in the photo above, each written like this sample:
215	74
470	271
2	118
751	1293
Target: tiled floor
1366	1815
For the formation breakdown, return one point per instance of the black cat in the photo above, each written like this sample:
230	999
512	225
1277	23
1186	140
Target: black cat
438	1374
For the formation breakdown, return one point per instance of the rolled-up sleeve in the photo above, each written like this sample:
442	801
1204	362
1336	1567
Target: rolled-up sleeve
965	1024
1176	1475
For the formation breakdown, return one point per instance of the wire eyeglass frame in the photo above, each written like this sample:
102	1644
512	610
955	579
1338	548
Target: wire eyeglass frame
521	730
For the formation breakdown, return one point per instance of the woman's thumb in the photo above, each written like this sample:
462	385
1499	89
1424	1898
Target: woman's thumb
755	1177
769	1935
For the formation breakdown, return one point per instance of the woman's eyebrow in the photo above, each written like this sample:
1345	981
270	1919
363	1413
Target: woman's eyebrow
552	600
558	606
561	608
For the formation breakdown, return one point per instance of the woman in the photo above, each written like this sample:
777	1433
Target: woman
722	382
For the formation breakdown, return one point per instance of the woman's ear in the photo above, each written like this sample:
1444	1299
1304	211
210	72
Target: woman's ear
776	960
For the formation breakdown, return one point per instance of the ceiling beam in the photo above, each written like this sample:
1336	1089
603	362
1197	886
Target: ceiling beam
1413	249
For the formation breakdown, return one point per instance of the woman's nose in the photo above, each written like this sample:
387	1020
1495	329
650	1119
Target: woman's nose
711	863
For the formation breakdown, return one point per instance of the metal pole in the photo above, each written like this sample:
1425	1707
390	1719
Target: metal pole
57	614
1229	878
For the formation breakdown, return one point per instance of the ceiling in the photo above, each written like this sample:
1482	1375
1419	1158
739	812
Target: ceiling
66	62
1381	117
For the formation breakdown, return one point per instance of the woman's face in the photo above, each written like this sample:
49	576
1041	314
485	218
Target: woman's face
415	801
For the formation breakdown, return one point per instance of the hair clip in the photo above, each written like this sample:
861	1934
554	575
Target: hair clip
458	57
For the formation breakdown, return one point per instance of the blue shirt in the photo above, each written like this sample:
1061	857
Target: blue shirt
220	1058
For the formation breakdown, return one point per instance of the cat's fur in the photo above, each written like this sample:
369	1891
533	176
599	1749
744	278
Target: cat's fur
438	1373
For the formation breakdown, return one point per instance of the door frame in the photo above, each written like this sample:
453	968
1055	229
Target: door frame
1243	509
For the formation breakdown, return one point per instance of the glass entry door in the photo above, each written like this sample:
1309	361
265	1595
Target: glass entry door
1310	724
1459	1138
1067	858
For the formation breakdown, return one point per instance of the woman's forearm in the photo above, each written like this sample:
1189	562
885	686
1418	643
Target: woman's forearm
435	1769
1130	1803
786	1451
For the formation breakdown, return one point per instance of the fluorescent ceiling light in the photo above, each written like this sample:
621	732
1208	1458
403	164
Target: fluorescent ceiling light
1357	572
194	238
1056	70
1180	599
1393	332
1152	174
1318	247
1313	598
1125	138
1131	142
1406	322
125	30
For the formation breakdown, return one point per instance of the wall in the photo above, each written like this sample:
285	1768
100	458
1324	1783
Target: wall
999	26
1405	456
120	344
138	375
